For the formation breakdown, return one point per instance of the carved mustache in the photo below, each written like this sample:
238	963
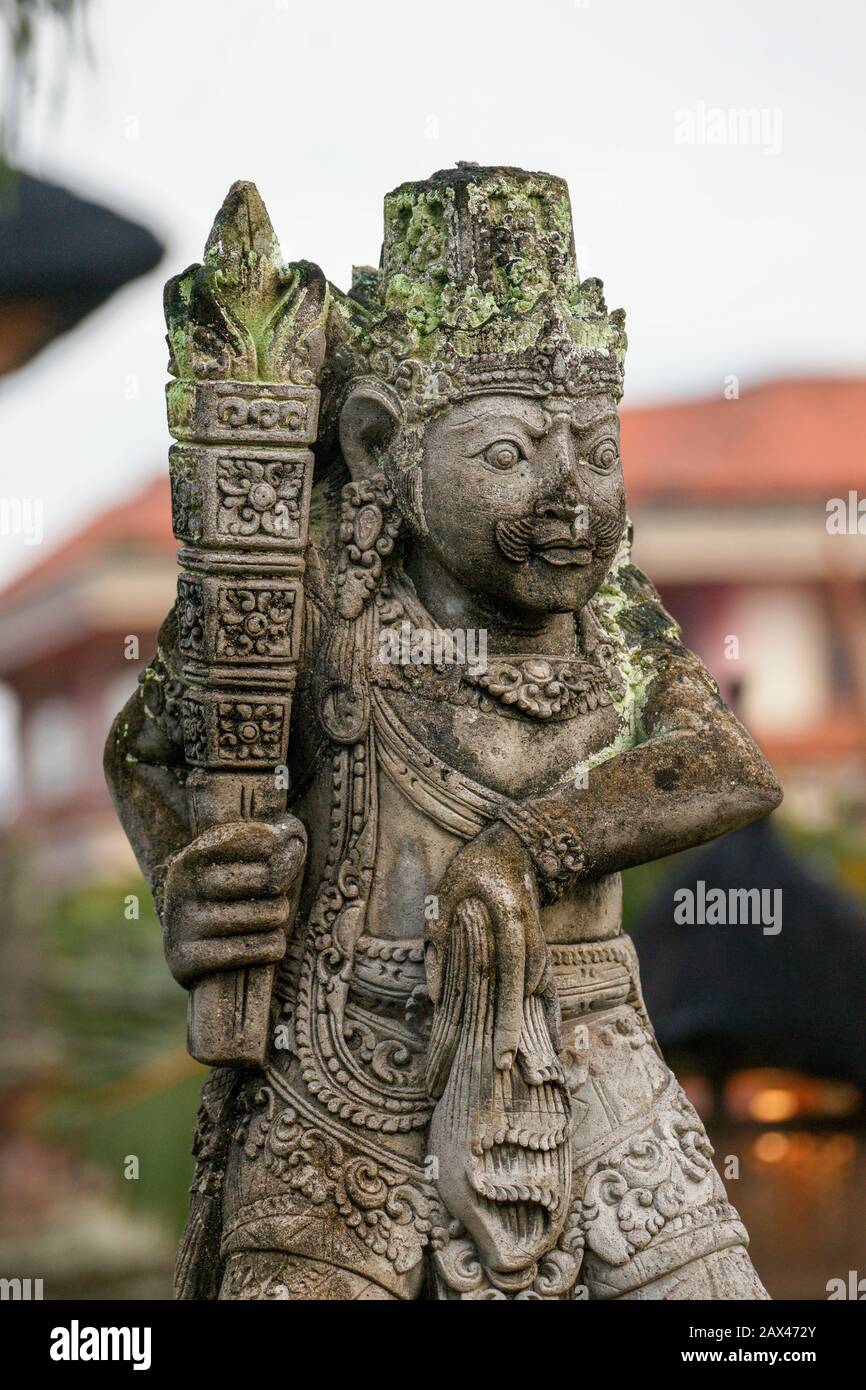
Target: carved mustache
516	539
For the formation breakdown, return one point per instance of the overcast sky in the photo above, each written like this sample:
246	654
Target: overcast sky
729	257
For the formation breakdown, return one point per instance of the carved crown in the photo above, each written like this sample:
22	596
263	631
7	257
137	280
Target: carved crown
478	291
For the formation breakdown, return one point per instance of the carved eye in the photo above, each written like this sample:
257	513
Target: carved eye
504	454
604	456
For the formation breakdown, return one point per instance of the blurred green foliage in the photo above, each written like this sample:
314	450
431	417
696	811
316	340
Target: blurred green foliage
126	1086
109	991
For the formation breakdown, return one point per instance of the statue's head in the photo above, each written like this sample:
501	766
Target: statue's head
486	384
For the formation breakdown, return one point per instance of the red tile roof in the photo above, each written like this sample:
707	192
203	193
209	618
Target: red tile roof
142	522
789	439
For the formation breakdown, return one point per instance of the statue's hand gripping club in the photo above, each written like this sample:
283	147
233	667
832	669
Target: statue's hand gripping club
229	897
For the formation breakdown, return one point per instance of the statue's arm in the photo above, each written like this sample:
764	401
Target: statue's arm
693	774
696	774
144	763
225	897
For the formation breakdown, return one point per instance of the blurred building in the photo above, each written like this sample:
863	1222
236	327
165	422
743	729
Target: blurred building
729	499
75	631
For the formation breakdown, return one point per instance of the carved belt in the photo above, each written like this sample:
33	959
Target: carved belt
595	975
388	972
590	975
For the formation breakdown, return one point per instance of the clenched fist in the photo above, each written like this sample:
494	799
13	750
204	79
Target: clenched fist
229	897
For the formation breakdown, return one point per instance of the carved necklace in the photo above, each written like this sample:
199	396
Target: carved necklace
535	686
542	687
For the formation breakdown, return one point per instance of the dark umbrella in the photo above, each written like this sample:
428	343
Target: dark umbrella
734	997
62	255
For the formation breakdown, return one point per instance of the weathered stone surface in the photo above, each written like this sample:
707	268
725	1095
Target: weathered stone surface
456	1092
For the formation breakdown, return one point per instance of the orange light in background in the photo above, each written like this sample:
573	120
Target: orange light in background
840	1150
771	1147
839	1099
819	1158
771	1096
773	1105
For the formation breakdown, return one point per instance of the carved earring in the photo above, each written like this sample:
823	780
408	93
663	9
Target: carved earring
369	526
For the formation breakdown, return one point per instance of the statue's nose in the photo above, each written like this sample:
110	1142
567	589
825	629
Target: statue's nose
559	510
563	500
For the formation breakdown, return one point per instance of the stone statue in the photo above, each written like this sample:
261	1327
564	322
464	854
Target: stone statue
398	915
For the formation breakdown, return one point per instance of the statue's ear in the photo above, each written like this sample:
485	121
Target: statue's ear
367	423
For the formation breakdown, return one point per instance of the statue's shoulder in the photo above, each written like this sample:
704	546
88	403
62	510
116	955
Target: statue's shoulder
148	728
638	612
161	689
648	647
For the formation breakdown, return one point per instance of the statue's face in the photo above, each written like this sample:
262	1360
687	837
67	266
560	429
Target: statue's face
524	498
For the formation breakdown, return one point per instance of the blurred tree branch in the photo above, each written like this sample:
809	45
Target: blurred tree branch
27	24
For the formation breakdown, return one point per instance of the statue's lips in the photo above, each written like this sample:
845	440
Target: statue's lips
559	552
